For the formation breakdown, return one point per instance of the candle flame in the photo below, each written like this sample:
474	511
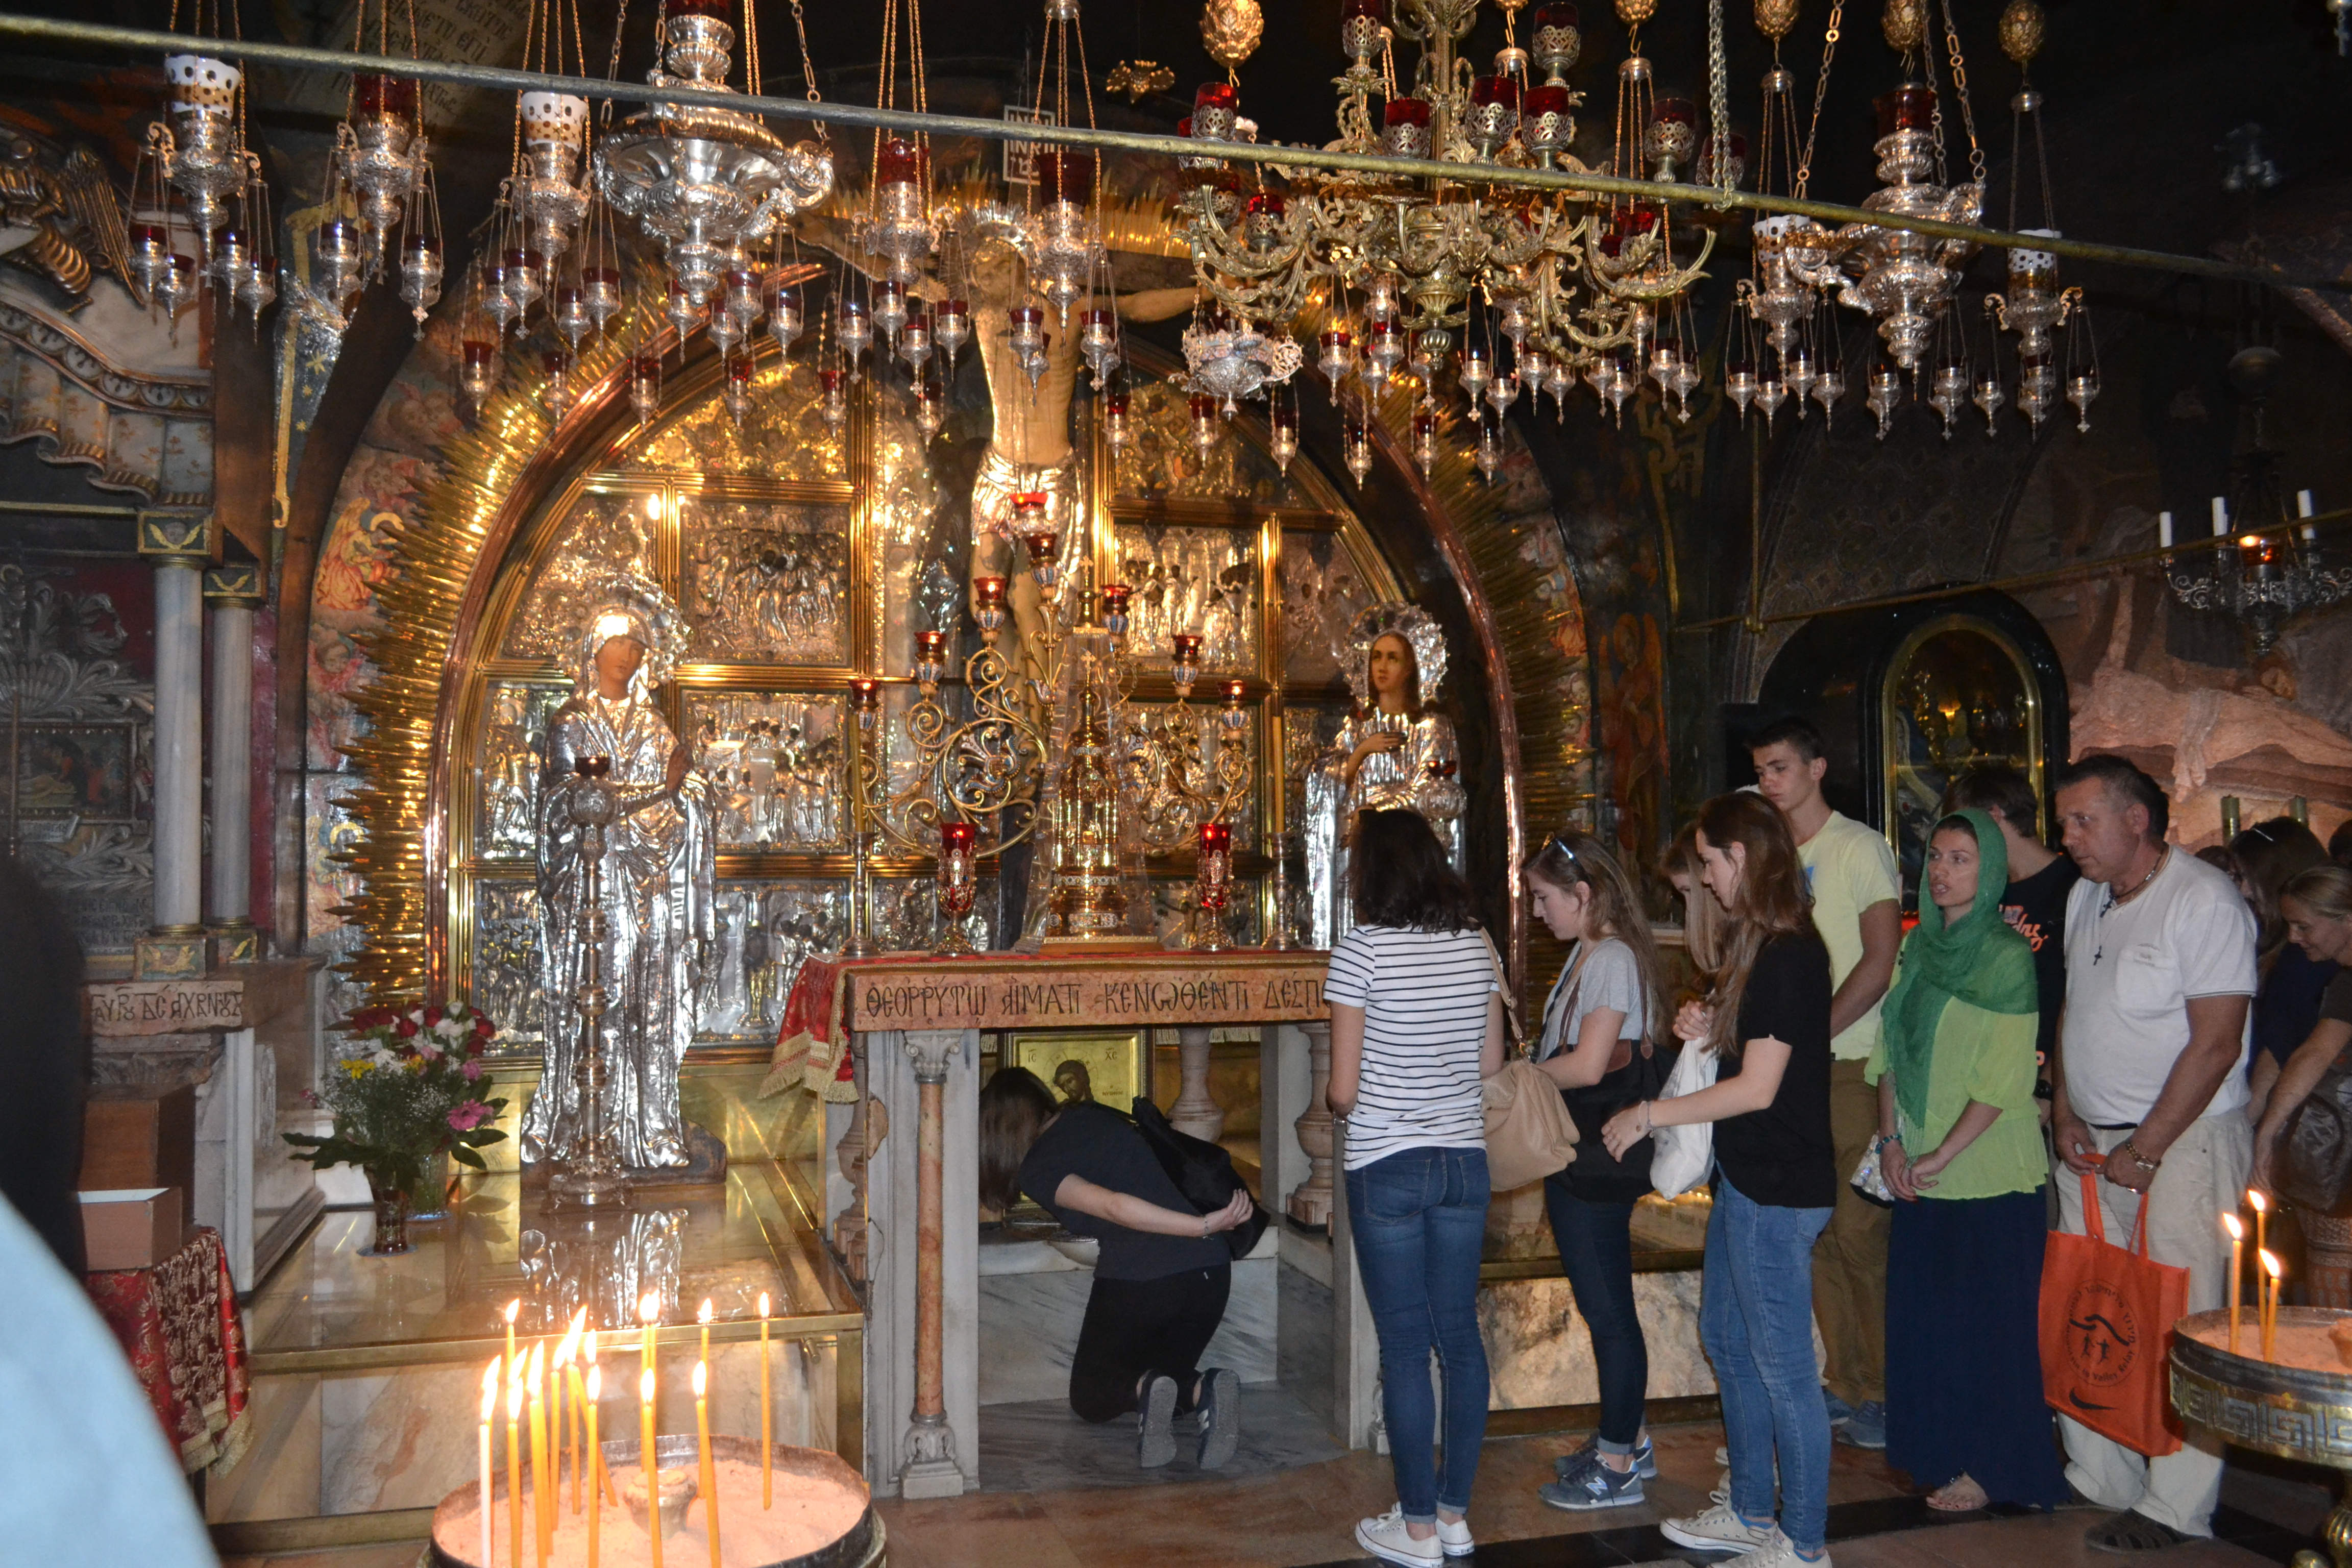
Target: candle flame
649	1307
595	1384
2235	1226
569	1346
763	1303
490	1388
701	1379
588	1347
513	1307
2254	1198
645	1386
702	1313
2270	1264
534	1369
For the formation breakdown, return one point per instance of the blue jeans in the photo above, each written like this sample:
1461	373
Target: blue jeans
1596	1253
1756	1321
1418	1219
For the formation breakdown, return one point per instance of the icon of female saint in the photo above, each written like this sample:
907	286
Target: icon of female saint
1396	751
659	870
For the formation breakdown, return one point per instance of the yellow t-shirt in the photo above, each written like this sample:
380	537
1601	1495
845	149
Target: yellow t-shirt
1849	868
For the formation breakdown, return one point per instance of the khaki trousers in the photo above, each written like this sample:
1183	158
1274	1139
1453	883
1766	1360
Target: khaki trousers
2203	1175
1849	1259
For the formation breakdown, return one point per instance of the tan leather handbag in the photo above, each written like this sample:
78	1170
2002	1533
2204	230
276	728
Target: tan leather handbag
1529	1134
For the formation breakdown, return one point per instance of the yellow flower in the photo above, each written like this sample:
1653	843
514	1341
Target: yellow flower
356	1068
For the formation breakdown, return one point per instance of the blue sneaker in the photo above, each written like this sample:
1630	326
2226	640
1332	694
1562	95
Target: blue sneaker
1645	1460
1595	1487
1840	1411
1866	1427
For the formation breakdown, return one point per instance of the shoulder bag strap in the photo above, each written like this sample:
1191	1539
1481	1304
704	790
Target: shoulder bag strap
2094	1224
1515	1031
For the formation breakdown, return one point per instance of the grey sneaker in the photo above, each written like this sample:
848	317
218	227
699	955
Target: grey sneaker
1866	1427
1719	1529
1645	1460
1840	1412
1221	1416
1595	1486
1155	1438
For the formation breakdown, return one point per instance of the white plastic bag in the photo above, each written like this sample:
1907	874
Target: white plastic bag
1682	1157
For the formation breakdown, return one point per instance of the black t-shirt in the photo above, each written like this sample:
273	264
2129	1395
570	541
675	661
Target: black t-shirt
1593	1175
1099	1145
1782	1156
2035	906
2293	989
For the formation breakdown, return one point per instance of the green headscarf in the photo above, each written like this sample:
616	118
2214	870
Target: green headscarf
1977	958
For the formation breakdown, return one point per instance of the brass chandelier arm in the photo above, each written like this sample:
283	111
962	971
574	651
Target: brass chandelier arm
143	41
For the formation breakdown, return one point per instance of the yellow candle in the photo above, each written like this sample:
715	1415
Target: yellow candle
2269	1305
709	1472
566	1378
648	1314
649	1464
513	1307
514	1463
2261	1207
595	1391
542	1511
767	1429
702	1316
490	1410
2237	1230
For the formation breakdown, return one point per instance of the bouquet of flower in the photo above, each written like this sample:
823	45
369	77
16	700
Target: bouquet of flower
401	1091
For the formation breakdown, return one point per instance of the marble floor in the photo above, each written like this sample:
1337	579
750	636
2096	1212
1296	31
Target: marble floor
1301	1518
1037	1446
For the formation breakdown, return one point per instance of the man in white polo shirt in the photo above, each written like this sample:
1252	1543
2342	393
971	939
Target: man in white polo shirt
2149	1094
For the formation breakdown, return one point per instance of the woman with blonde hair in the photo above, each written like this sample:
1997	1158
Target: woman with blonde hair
2266	858
1601	1032
2316	908
1767	1020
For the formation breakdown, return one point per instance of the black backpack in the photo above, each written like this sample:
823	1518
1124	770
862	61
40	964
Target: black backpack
1202	1172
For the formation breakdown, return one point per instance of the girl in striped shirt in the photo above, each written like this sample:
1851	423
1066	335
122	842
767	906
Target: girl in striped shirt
1416	1024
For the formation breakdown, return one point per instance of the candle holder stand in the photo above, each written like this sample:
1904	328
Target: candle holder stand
592	1178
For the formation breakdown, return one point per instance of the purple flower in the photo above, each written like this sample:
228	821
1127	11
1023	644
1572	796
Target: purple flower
468	1116
472	1069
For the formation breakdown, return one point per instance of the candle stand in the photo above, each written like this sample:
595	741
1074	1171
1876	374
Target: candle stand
822	1506
2293	1412
592	1178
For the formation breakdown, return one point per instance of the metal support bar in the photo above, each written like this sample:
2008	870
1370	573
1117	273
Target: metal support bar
293	57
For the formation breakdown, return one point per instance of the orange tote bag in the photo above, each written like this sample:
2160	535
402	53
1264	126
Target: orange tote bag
2107	1313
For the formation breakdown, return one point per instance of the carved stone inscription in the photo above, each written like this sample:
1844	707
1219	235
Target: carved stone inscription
1035	995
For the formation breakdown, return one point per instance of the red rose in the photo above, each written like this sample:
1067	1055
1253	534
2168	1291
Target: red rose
406	1028
432	1016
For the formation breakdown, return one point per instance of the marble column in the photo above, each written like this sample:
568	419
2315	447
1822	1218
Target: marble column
179	546
232	594
927	1456
1310	1201
1196	1112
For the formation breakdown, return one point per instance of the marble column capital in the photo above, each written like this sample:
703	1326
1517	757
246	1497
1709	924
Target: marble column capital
932	1052
188	539
236	586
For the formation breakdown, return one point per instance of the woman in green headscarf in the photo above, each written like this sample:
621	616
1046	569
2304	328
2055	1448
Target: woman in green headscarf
1960	1147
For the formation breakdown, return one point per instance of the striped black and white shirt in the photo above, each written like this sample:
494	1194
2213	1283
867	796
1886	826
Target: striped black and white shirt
1424	994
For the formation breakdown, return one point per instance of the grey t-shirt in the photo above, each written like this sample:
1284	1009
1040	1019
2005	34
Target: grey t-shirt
1610	979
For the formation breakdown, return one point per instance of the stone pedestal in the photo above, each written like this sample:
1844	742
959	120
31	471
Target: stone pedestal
1195	1111
1310	1201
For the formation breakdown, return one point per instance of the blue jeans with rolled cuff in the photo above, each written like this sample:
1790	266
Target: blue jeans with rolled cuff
1755	1323
1596	1253
1418	1221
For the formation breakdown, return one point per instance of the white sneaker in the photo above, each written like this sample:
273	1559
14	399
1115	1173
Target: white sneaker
1720	1529
1778	1553
1385	1538
1454	1535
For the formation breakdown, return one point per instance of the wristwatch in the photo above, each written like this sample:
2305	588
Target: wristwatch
2130	1151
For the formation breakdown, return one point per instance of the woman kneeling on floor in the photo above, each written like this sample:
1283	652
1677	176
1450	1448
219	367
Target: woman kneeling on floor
1161	1278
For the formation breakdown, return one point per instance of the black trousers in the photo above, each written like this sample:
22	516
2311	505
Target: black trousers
1138	1326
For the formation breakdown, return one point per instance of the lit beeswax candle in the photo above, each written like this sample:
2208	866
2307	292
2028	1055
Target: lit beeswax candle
702	1437
702	1317
649	1464
2270	1304
489	1411
565	1377
2237	1229
543	1510
594	1390
767	1428
2261	1204
514	1463
513	1307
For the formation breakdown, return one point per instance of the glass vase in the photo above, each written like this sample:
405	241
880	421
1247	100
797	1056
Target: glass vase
391	1218
431	1199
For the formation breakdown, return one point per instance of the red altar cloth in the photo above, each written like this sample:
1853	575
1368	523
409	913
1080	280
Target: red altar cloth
1065	989
179	1324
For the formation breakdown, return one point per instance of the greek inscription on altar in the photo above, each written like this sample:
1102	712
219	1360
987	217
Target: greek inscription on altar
166	1006
903	999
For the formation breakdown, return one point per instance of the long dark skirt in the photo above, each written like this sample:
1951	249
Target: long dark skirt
1963	1358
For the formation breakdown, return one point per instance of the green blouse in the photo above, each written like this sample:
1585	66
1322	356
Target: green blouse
1987	1058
